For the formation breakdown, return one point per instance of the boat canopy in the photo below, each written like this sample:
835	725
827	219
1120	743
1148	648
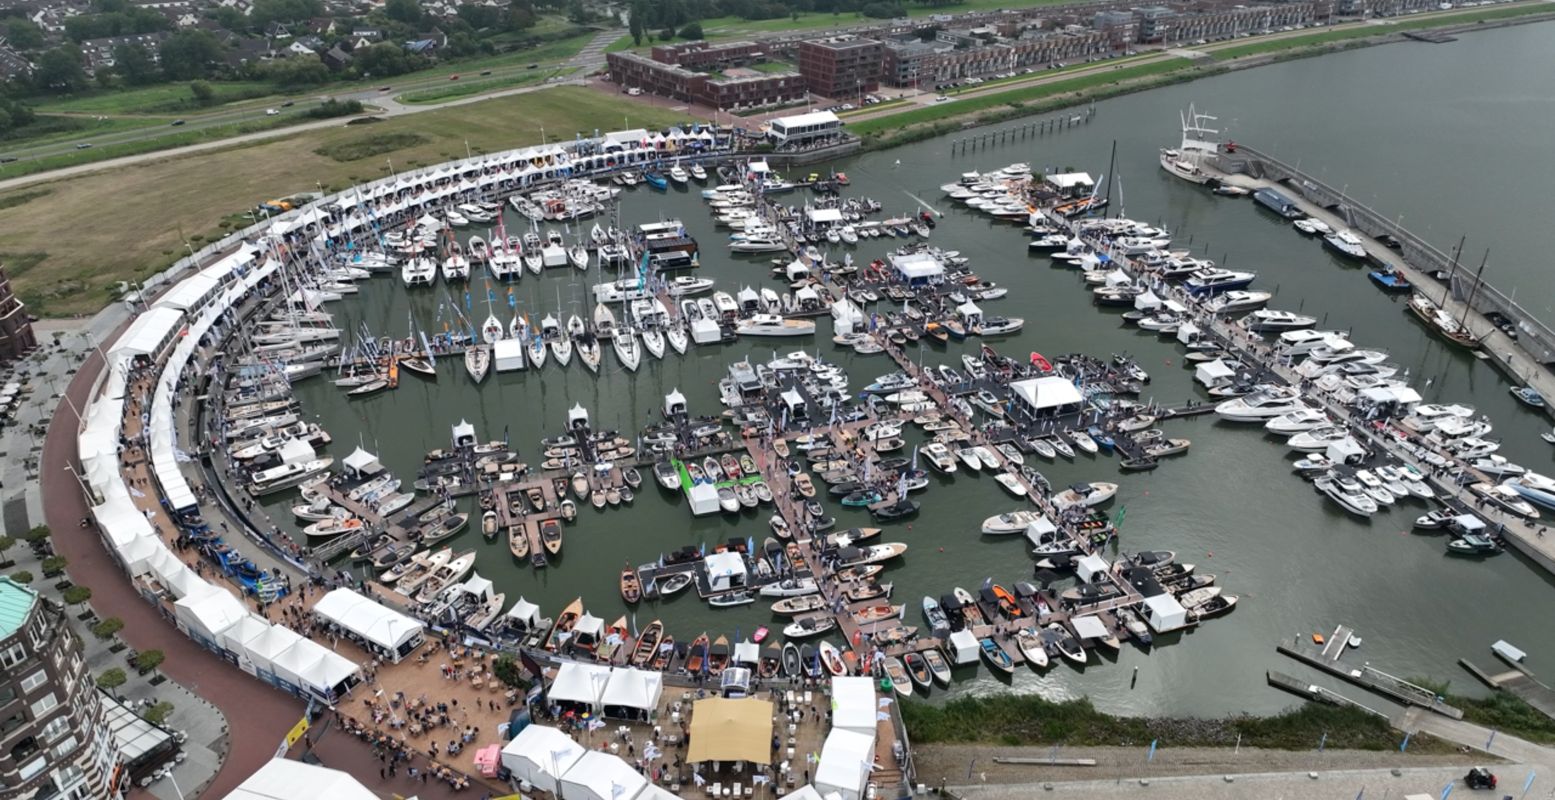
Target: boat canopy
674	403
1089	566
525	612
747	653
823	216
577	415
297	451
1045	393
1089	626
464	434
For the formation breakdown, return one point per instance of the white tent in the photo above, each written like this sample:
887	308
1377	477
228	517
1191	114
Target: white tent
268	645
1089	566
296	451
1188	333
362	462
805	792
598	776
725	570
539	755
704	499
963	648
917	268
823	216
464	434
525	612
1147	301
705	331
748	653
1047	393
508	355
970	312
388	632
313	667
138	552
246	628
589	625
635	689
1040	530
793	401
1089	626
1213	373
674	403
207	615
1345	451
847	758
854	704
285	779
1166	614
579	683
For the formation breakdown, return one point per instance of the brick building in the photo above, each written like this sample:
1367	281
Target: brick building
911	62
16	337
738	89
704	55
841	66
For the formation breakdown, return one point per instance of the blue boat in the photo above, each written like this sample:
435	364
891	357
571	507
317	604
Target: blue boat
1278	203
1390	280
1102	438
997	658
657	181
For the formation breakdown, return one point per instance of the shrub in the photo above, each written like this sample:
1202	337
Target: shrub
37	534
54	565
157	714
333	108
691	30
76	595
22	577
371	145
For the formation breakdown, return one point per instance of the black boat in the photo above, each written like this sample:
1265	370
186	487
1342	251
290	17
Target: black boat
791	666
901	509
810	662
844	489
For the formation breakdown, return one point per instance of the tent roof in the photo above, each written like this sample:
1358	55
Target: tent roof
1069	180
540	755
364	617
577	683
731	730
1215	369
284	779
363	462
1089	626
212	612
812	118
747	653
589	625
634	688
822	215
726	563
524	610
846	760
917	265
605	777
1047	392
296	451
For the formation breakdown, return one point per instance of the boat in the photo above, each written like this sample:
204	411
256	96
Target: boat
800	604
995	656
918	669
1085	494
896	673
1197	142
647	645
1528	396
696	654
1347	492
1442	323
732	599
489	525
1065	643
1031	647
809	626
1011	484
937	665
773	325
791	664
477	361
1346	244
631	585
1473	544
674	584
551	536
333	526
443	528
831	659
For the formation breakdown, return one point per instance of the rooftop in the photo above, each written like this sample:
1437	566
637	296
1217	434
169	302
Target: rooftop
16	603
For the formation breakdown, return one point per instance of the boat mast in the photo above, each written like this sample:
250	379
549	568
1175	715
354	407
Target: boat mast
1453	268
1469	303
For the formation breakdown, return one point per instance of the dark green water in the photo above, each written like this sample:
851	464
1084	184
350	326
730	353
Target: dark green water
1452	136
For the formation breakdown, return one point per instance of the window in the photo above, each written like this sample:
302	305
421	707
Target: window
66	747
13	655
57	727
44	704
34	680
24	748
31	769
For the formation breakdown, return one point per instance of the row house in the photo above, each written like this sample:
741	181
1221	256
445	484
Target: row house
1219	23
706	55
911	63
98	53
634	71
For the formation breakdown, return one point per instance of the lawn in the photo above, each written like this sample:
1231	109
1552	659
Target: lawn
1026	94
773	66
165	98
194	195
454	89
1397	25
51	129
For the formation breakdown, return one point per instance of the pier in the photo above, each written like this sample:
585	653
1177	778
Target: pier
1327	658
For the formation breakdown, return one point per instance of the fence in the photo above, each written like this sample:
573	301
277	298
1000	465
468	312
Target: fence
1533	334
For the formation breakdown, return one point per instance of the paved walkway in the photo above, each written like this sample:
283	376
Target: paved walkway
1339	785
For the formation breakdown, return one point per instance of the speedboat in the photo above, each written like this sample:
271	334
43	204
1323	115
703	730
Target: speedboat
1302	419
1317	439
1237	301
1266	320
1085	494
1509	496
1214	280
1348	493
1267	402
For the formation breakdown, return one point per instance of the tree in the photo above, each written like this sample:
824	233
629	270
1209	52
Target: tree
54	565
666	34
135	65
37	534
295	72
576	13
22	34
521	16
76	595
692	30
283	11
22	576
406	11
507	670
382	60
157	714
635	22
107	628
187	55
112	679
148	660
6	542
204	95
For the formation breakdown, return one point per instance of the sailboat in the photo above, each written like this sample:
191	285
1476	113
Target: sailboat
625	344
477	361
536	345
653	340
561	344
676	336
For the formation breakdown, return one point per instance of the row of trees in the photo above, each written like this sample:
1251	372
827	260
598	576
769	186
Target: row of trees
648	15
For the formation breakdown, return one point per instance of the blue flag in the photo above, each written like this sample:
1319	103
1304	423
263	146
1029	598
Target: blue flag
1151	757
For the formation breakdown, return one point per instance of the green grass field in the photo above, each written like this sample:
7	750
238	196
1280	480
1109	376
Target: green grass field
198	195
972	105
166	98
52	129
456	89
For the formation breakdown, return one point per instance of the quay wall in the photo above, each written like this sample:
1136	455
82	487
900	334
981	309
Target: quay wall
1534	335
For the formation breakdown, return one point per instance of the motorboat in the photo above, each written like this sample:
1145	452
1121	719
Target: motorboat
1237	301
1065	643
1265	320
1346	244
1302	419
1510	496
773	325
995	656
1316	440
1085	494
1497	466
1031	647
1348	493
1260	405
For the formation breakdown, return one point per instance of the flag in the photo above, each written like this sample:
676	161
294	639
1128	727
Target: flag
1118	523
1405	744
1151	756
1446	791
1528	782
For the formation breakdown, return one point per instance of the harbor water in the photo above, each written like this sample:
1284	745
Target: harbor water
1449	136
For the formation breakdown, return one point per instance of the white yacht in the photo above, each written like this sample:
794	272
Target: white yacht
1266	402
1348	493
758	243
1197	142
1302	419
418	272
1534	487
1317	439
1303	342
773	325
625	344
1266	320
1237	301
1347	244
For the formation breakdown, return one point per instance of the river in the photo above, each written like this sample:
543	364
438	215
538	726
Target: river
1451	136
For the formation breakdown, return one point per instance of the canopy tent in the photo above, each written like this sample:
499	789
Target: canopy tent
526	612
246	628
1402	396
917	268
847	758
1147	301
314	668
854	704
704	499
386	632
206	615
1089	566
285	779
148	334
674	403
1047	393
362	462
748	653
590	626
138	552
264	648
969	311
1213	373
723	729
1040	530
1089	626
539	755
1166	614
963	648
823	216
599	776
579	683
296	451
464	434
725	570
634	689
190	293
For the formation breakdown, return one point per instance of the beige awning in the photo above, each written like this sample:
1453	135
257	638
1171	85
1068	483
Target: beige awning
731	730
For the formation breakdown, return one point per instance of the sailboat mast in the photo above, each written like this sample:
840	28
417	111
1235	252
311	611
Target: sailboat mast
1469	303
1453	268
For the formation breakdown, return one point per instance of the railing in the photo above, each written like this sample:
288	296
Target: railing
1533	334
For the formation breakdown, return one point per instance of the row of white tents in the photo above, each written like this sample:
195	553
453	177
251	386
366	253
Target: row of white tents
207	613
619	690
